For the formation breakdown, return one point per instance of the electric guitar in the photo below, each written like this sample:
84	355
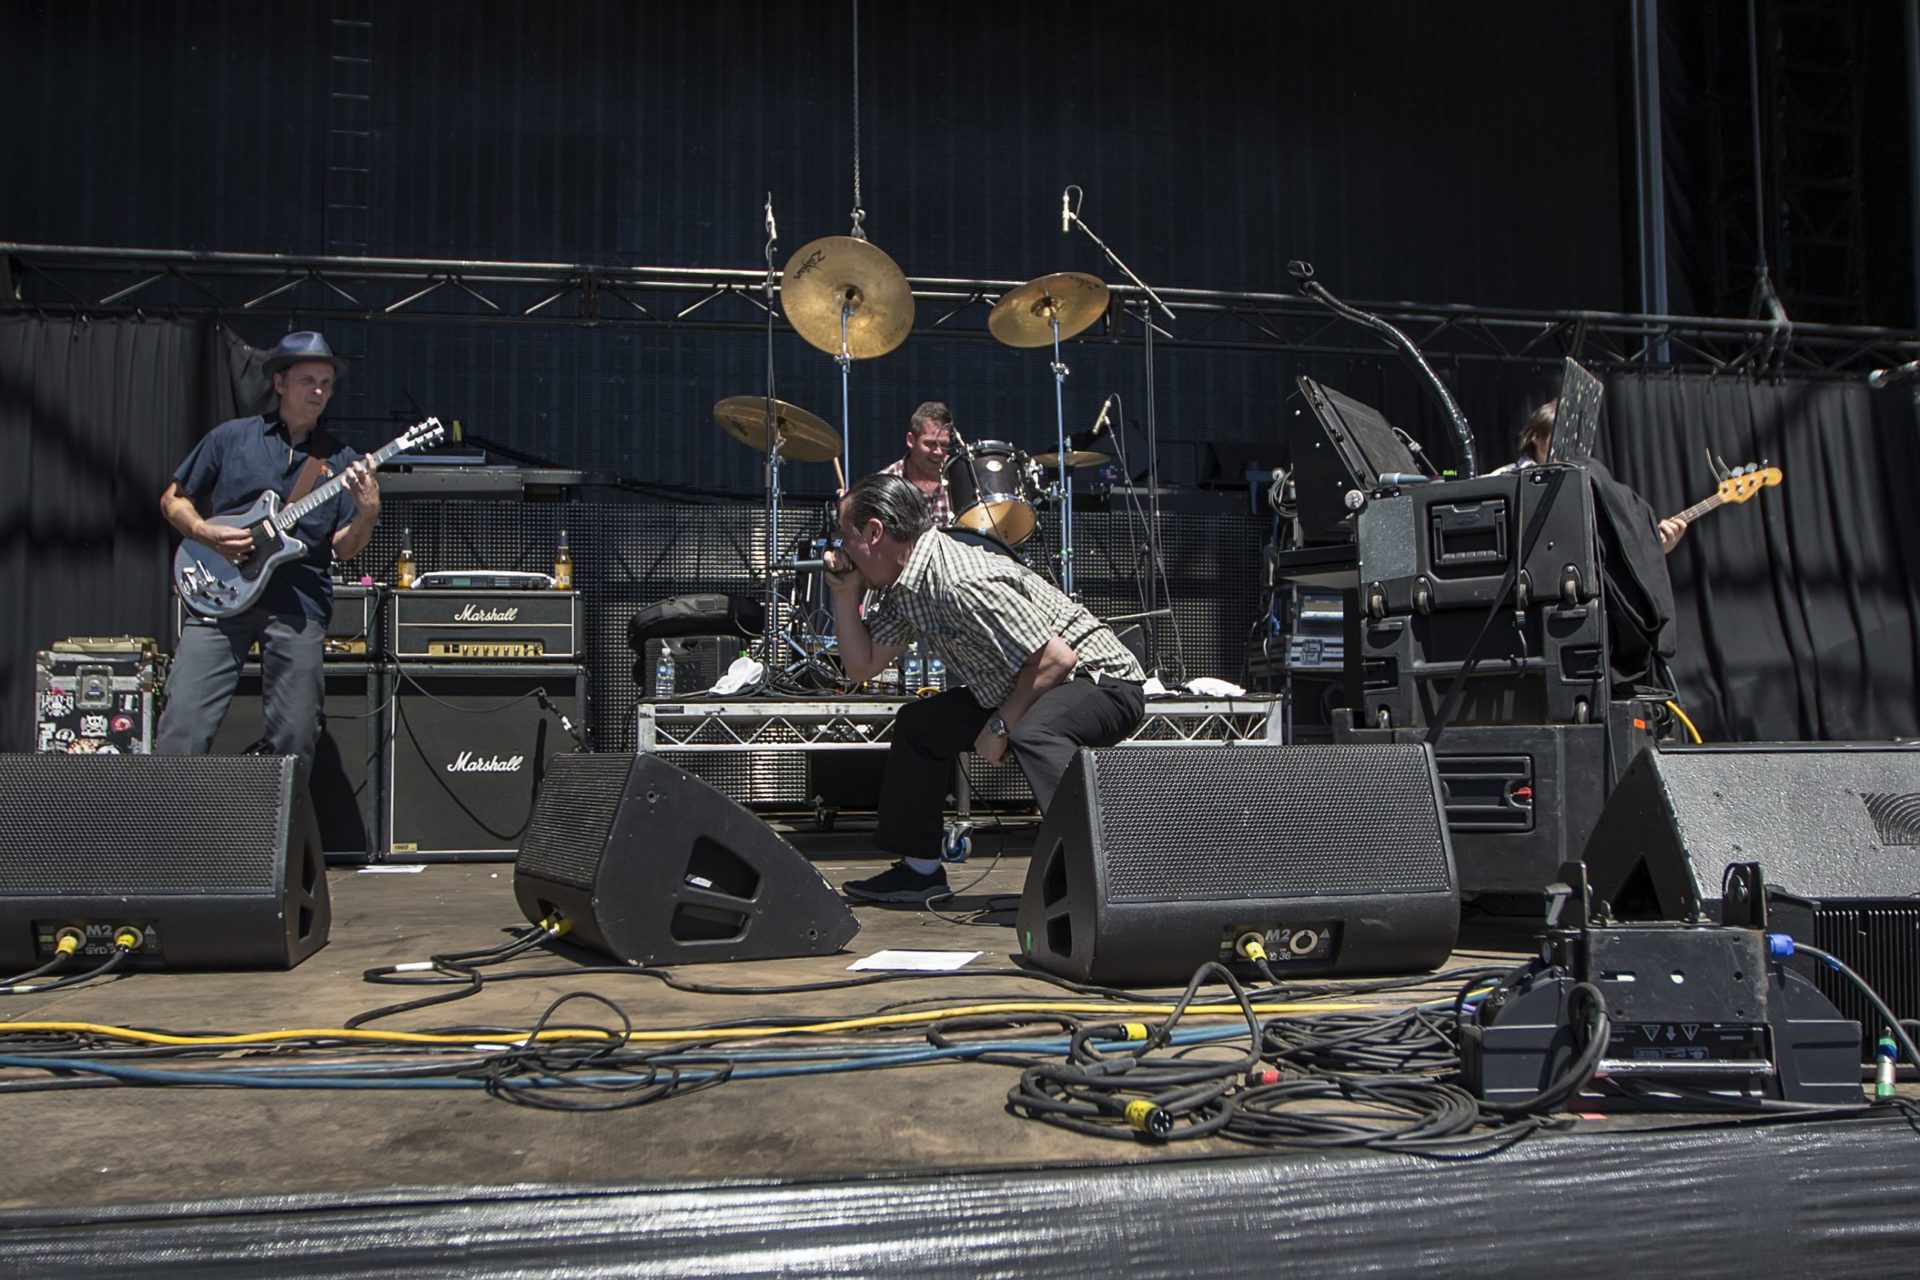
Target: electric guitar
215	587
1738	485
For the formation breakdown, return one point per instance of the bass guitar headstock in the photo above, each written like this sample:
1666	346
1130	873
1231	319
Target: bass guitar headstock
1743	482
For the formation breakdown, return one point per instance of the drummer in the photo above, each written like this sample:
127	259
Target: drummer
924	465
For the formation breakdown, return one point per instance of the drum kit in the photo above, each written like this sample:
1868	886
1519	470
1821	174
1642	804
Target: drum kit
846	297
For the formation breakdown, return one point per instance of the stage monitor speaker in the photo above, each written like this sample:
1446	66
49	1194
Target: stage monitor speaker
215	860
650	865
345	780
470	749
1154	860
1834	827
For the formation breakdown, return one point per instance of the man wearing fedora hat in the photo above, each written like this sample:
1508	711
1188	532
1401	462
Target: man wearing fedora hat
235	463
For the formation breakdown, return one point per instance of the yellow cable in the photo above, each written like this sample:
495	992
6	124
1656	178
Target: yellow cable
1675	708
691	1033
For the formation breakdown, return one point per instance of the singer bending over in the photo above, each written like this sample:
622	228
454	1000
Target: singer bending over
929	436
1040	677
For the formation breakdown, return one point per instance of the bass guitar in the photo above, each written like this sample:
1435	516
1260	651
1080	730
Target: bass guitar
1736	486
215	587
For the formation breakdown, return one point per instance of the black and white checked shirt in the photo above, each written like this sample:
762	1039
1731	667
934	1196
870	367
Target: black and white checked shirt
939	505
985	615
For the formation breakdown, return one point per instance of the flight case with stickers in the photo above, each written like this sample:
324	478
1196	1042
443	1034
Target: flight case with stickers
97	694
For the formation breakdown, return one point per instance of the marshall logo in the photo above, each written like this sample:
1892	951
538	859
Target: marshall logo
467	762
474	613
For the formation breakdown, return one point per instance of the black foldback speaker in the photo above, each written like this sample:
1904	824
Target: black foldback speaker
1835	828
1154	860
215	860
650	865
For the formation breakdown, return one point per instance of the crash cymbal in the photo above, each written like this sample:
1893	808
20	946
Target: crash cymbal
841	269
802	437
1021	317
1076	458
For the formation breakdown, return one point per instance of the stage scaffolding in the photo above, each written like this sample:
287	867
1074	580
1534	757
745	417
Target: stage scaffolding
84	280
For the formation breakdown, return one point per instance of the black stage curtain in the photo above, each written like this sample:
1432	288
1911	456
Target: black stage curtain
1798	613
95	415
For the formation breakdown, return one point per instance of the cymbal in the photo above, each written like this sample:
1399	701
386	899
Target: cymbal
1075	458
802	437
1021	317
823	275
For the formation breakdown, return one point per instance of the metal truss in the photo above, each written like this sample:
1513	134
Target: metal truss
91	281
830	725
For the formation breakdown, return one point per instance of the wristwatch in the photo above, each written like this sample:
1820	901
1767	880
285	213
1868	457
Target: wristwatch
997	726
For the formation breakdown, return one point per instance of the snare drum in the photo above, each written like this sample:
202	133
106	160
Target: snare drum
992	491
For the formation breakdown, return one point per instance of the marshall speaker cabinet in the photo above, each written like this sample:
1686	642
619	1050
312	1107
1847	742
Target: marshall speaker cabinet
348	759
471	744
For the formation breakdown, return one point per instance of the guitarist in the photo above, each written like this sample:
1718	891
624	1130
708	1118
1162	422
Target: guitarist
233	465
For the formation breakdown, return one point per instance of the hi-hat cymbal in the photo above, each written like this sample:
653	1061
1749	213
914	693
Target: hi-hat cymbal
822	276
1075	458
1022	317
802	437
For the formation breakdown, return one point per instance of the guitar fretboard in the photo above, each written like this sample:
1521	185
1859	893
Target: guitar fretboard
1701	508
292	515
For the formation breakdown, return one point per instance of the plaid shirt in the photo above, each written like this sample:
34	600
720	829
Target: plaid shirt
939	504
985	615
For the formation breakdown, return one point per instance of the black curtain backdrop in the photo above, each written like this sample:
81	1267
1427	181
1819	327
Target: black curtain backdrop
1799	616
94	417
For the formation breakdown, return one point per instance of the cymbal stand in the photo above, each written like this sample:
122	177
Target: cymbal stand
1066	472
845	360
1156	565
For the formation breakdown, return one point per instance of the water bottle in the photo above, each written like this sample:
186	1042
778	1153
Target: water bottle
663	672
913	671
937	674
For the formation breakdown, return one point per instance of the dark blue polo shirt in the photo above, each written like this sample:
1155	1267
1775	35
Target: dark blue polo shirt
238	461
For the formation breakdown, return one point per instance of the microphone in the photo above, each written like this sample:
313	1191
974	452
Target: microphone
1066	212
1100	423
803	566
773	232
1404	477
1899	373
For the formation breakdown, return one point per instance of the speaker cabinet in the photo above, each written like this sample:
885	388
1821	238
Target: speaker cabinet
1155	860
470	750
1836	831
215	860
348	757
650	865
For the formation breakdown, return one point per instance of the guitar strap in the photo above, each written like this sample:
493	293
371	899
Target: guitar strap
322	448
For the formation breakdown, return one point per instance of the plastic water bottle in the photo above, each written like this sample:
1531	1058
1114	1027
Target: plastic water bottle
663	672
937	674
913	672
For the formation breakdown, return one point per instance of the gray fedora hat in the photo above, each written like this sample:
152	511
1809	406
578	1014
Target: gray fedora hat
305	345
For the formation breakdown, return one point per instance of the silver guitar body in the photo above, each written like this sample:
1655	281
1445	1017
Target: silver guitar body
215	587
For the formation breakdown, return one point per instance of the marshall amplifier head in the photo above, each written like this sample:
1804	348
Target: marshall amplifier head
456	626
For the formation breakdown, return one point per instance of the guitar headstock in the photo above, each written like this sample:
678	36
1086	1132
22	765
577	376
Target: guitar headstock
421	434
1743	482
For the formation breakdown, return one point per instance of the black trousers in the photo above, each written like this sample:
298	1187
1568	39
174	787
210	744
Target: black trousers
929	733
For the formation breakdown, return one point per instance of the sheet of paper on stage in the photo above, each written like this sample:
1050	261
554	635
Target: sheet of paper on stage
918	961
394	869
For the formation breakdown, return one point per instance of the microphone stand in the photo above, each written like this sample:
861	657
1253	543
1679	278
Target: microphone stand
1303	273
1156	568
770	628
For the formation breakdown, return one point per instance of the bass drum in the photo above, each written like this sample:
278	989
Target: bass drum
991	488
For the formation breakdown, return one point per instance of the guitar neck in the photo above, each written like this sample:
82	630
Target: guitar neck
290	516
1701	508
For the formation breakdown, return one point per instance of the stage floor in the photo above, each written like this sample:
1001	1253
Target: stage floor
201	1154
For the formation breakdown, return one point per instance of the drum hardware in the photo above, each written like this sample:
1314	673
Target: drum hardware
1156	563
993	490
1039	312
851	300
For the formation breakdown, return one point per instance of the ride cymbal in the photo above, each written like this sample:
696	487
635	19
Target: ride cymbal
823	276
1023	317
1075	458
801	436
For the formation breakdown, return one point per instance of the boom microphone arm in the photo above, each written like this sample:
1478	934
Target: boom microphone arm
1302	272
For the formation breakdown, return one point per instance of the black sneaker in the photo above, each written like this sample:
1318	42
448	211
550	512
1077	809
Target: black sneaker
900	883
